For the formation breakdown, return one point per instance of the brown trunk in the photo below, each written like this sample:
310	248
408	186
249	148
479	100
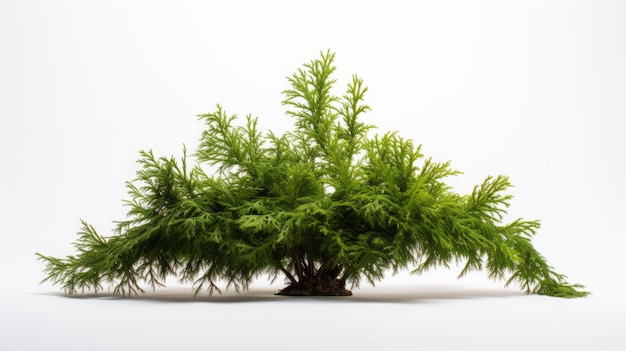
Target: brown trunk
317	285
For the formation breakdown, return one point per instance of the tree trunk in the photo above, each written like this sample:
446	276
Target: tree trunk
324	283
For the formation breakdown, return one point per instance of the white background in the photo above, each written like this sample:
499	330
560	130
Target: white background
532	89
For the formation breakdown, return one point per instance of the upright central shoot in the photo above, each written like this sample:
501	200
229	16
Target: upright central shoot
325	205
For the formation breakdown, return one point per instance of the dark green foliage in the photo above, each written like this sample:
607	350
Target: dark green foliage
325	205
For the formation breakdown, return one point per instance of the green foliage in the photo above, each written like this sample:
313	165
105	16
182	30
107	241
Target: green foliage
323	204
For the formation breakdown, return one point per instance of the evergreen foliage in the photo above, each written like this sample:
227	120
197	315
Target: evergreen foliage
325	205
